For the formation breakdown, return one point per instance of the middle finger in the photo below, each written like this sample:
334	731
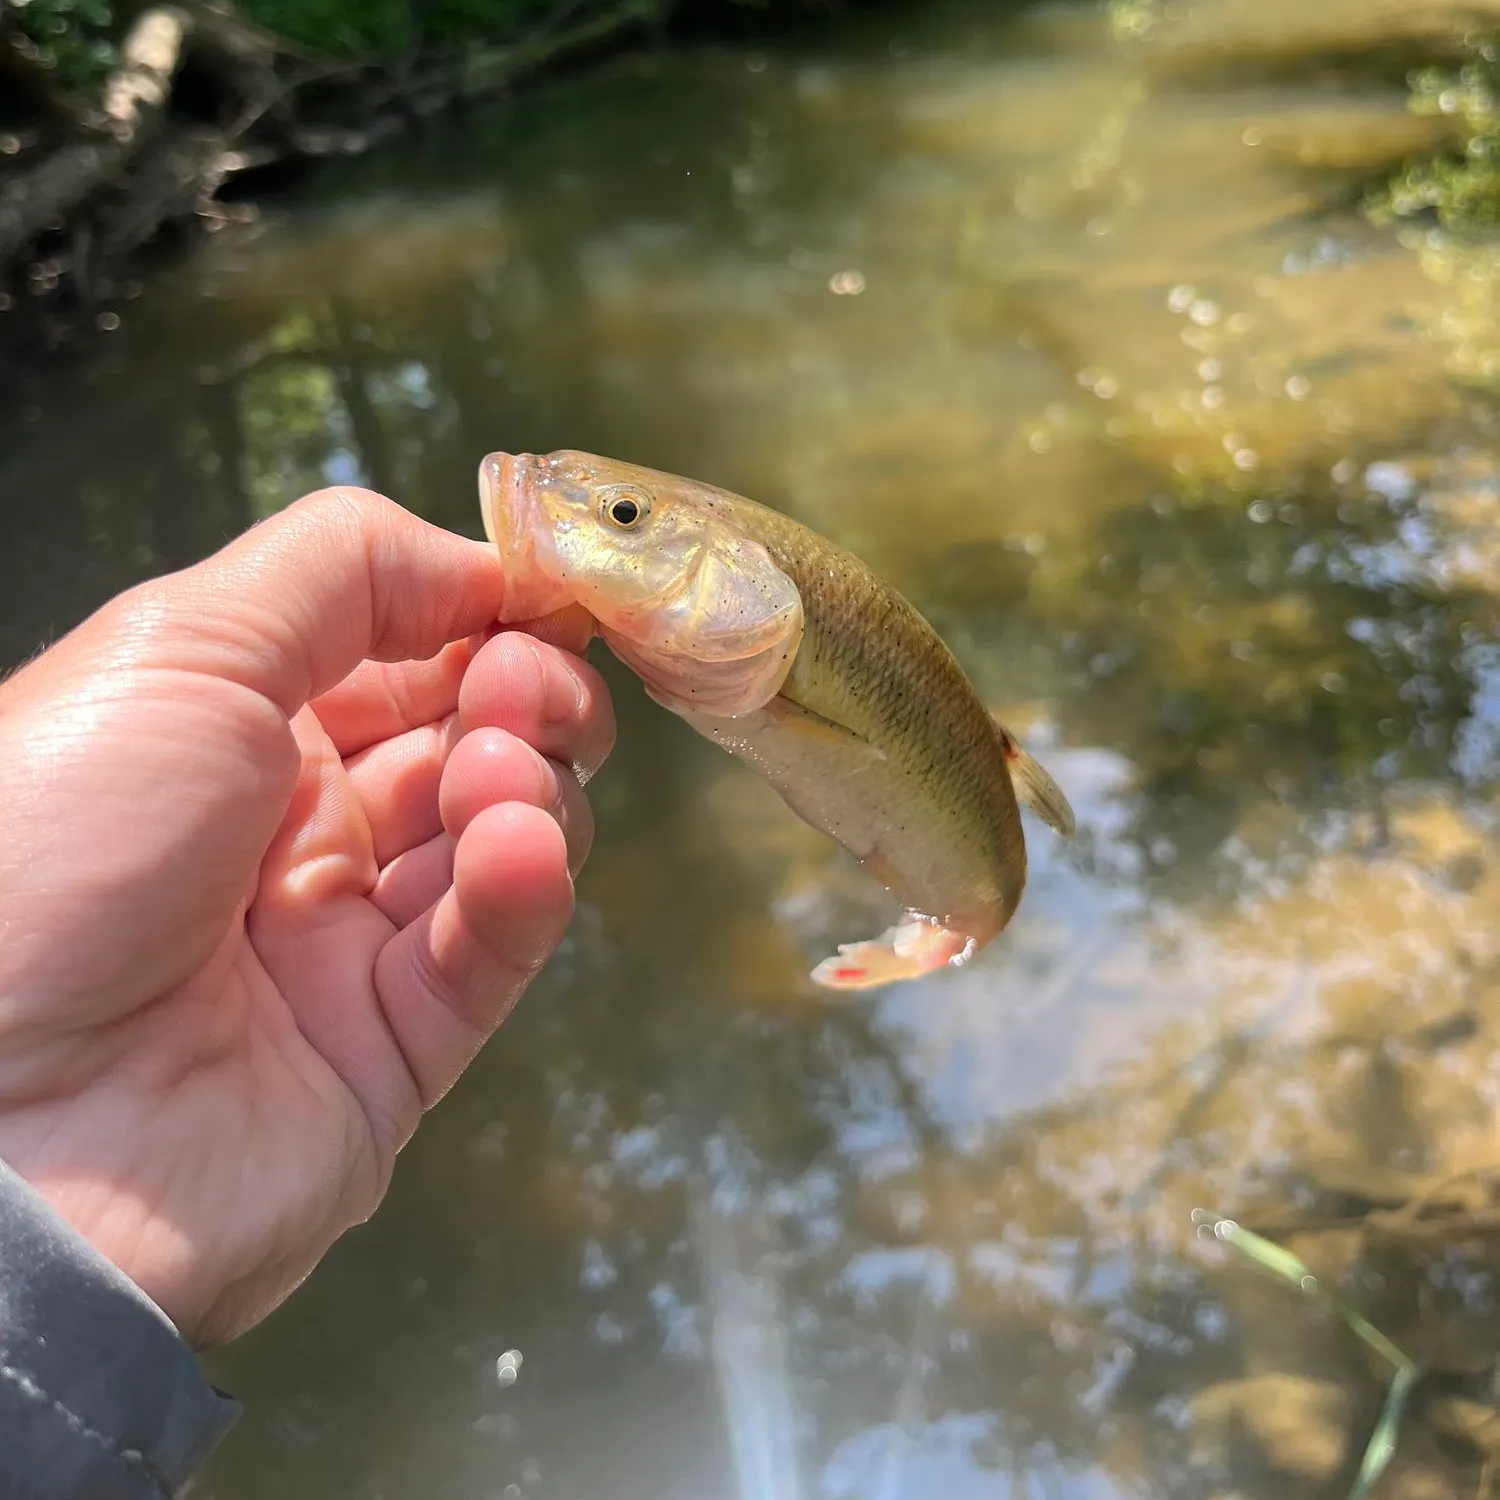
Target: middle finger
548	697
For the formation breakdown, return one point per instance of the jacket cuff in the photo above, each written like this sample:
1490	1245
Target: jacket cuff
99	1394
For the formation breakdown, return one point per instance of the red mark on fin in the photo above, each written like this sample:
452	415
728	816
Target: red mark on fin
847	973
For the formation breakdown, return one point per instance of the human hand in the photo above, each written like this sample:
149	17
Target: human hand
286	837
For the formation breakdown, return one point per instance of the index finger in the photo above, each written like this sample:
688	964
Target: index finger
291	607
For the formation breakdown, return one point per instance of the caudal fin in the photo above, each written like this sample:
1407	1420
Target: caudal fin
1034	787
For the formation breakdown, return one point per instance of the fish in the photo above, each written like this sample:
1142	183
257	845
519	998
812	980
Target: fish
790	653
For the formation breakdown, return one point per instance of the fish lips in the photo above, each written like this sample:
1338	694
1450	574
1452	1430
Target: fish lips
508	508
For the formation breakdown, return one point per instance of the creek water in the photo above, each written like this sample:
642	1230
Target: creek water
1071	322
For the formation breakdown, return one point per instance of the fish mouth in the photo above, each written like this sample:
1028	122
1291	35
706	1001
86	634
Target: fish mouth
507	506
501	497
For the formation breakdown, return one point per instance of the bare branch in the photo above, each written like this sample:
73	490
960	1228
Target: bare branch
133	103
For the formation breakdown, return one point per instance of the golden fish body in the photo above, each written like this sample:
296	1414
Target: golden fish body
797	658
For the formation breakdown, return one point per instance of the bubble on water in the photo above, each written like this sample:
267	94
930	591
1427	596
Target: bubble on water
508	1367
1298	387
108	321
1240	322
1252	135
1246	458
1040	441
1333	682
1180	298
1242	650
1210	369
1212	397
1343	471
848	283
1204	313
1261	511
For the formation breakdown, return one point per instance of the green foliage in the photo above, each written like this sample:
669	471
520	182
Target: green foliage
72	38
76	39
393	27
1462	189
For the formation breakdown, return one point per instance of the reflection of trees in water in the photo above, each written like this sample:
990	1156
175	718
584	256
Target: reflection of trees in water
1264	660
673	1110
1040	1280
1257	658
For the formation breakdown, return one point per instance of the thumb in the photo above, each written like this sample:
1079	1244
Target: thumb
293	605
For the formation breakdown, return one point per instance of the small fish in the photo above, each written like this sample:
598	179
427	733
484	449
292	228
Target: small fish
797	658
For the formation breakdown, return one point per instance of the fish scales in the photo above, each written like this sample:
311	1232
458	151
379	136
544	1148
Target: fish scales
871	662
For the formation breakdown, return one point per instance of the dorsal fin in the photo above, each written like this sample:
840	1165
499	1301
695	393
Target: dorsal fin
1034	787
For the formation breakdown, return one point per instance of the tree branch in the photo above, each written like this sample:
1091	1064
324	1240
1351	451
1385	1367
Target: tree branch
134	100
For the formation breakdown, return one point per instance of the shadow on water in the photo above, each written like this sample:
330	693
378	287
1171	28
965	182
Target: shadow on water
1093	354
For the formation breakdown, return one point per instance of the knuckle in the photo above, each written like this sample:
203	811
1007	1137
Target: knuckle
357	513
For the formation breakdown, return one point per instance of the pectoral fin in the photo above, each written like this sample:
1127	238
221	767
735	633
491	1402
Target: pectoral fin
1034	787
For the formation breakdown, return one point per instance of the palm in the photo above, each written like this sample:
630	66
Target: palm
269	943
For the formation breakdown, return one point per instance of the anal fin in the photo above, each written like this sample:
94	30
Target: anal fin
907	951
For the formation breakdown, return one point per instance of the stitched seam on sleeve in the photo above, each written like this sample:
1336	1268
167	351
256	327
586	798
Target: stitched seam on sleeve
129	1458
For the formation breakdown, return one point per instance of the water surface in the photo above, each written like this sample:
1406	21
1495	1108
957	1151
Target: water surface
1069	321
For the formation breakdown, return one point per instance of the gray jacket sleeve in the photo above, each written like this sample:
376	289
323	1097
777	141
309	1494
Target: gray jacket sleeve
99	1396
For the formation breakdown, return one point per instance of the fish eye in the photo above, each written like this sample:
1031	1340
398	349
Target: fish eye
625	508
